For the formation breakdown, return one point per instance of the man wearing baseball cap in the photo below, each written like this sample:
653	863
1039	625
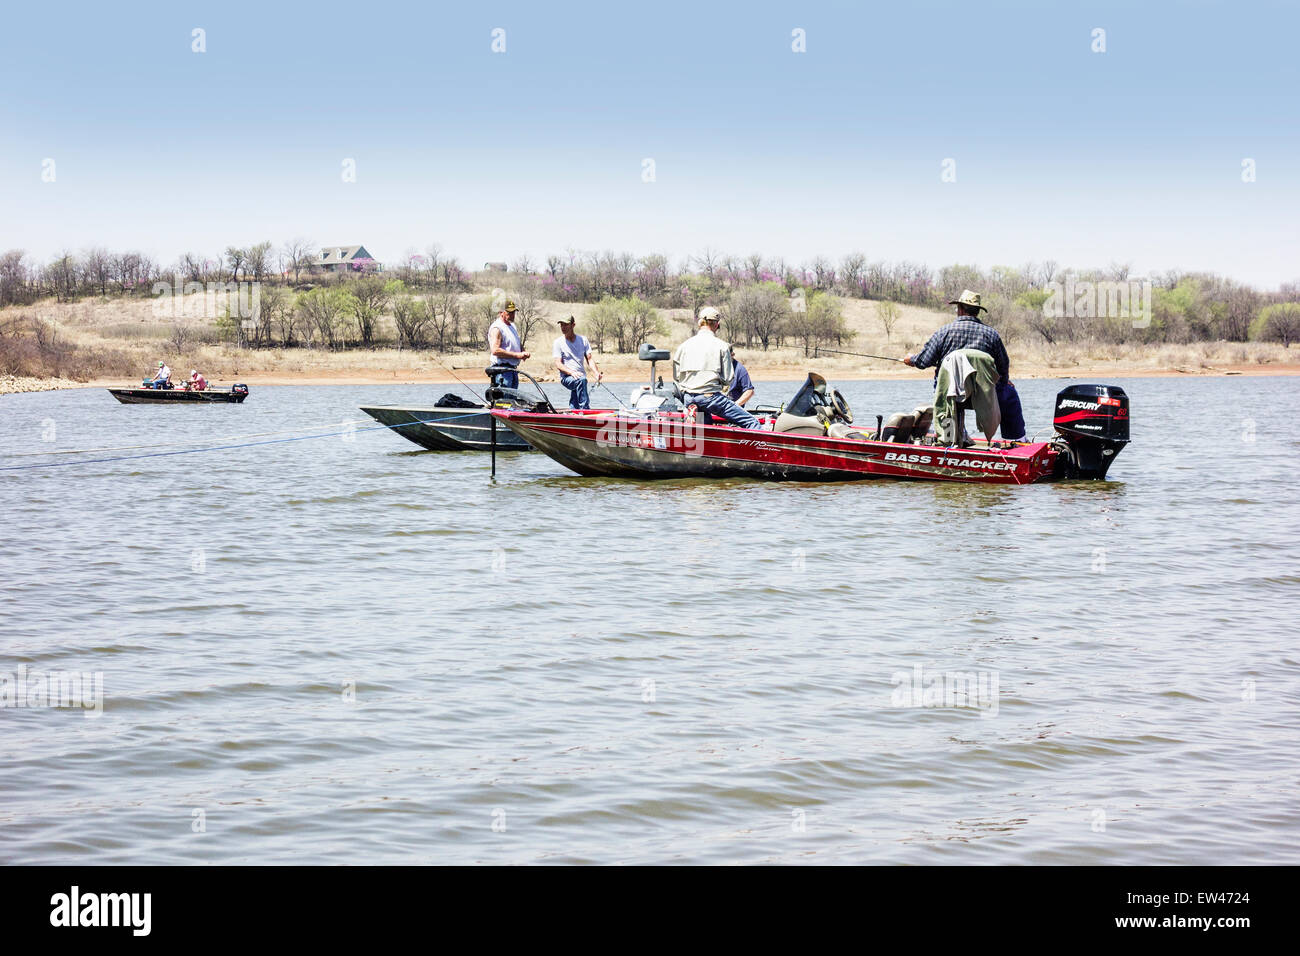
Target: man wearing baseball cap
572	354
164	376
505	346
702	369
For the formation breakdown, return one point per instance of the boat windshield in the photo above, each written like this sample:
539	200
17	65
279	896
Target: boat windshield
810	396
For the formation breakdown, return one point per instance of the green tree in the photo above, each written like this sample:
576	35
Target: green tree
1279	322
367	298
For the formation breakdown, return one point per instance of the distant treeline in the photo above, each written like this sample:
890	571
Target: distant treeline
429	300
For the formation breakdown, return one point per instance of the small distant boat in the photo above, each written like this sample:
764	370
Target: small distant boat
149	394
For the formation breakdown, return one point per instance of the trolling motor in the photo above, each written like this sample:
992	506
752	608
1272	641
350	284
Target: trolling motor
499	395
1092	421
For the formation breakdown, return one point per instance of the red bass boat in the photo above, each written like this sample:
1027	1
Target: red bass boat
812	439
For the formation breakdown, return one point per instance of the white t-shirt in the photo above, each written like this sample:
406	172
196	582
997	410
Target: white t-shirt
572	354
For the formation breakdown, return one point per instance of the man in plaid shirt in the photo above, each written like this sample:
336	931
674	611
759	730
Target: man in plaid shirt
968	332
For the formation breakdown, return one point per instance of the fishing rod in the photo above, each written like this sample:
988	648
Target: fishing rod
611	392
885	358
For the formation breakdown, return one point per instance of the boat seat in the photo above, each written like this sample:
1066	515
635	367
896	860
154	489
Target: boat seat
799	424
841	430
907	427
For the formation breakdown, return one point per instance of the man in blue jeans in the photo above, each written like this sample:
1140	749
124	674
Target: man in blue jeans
572	355
702	369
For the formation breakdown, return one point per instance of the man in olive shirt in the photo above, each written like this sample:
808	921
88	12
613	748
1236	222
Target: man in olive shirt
702	369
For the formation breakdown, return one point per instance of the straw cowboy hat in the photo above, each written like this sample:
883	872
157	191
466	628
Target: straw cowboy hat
969	298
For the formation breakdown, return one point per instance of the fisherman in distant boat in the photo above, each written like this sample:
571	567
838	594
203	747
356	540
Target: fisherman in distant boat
572	354
505	347
742	387
702	369
197	382
968	332
164	377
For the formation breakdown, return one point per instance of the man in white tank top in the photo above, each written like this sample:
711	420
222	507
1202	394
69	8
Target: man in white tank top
505	347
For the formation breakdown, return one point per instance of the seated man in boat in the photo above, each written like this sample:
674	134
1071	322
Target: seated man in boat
164	377
702	369
505	347
572	355
197	382
742	387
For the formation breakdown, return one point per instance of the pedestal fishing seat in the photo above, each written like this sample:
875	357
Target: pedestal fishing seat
906	427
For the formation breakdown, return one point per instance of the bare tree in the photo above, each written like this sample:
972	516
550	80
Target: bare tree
323	310
852	272
299	253
887	312
259	259
444	312
411	317
235	257
760	310
530	312
98	266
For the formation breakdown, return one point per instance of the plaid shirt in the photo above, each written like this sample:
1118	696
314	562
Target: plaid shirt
967	332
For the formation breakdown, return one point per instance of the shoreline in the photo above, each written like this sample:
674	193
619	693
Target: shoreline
779	372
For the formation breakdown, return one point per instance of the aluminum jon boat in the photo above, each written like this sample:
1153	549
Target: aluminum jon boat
446	427
812	439
148	395
457	424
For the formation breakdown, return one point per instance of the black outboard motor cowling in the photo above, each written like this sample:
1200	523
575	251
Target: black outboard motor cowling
1092	420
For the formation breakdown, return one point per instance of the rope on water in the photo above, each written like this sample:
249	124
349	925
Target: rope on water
173	444
247	444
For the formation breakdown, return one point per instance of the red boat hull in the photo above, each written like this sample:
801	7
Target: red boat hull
615	445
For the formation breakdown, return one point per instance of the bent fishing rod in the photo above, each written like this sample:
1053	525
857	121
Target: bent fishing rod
817	350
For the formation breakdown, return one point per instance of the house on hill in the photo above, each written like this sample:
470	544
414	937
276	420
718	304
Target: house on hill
494	267
346	259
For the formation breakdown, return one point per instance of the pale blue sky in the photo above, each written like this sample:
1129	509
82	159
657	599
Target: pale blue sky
1132	155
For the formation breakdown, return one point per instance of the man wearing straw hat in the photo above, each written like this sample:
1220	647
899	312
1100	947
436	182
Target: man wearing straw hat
968	332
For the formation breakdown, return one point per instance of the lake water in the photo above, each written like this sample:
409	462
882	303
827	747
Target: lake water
347	650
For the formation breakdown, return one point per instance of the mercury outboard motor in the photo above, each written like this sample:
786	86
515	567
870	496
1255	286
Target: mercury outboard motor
1092	421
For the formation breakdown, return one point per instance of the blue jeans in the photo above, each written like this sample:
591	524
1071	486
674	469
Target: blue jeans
578	397
1013	418
722	406
505	379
